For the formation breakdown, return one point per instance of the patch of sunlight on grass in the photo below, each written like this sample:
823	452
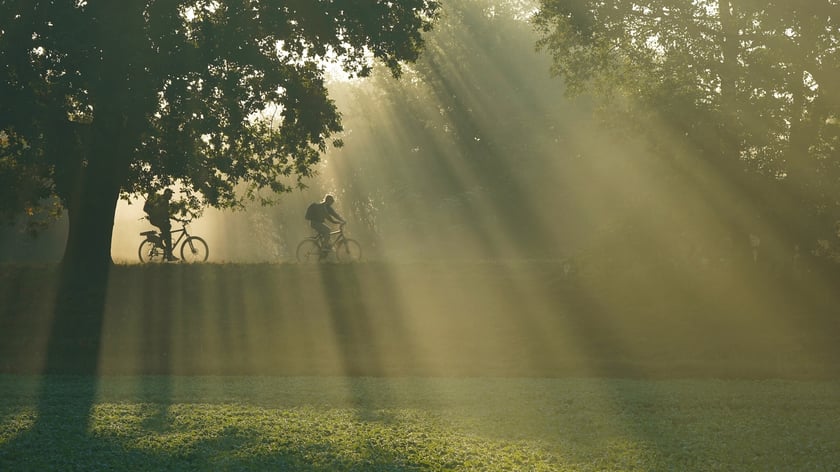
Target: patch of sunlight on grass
14	423
228	435
340	423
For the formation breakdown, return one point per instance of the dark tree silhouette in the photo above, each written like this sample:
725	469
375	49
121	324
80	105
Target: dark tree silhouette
102	99
109	99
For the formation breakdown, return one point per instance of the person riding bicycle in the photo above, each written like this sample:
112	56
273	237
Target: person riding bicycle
159	209
318	213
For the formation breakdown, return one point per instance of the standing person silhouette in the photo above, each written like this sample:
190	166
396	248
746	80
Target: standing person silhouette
318	213
159	210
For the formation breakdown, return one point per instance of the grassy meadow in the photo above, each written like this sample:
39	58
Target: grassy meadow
422	366
365	423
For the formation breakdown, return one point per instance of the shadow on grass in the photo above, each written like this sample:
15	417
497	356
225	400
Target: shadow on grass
363	307
63	435
367	343
73	341
59	444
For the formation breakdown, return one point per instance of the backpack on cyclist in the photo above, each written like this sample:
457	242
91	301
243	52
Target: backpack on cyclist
156	210
311	211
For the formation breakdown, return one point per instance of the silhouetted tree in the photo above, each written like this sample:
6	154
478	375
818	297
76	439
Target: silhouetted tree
105	99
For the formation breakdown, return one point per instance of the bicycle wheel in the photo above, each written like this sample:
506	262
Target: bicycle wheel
150	252
308	251
194	249
348	250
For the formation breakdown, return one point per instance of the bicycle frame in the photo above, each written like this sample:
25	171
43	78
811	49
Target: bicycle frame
157	236
182	234
332	240
344	249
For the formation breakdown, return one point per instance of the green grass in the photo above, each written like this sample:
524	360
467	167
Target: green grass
383	366
339	423
457	319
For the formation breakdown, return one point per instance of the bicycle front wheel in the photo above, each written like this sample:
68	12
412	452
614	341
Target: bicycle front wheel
348	250
308	251
194	249
150	252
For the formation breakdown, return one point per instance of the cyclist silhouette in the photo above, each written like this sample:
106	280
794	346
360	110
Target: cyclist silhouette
318	213
159	209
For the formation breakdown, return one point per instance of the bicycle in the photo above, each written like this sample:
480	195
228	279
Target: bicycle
343	248
193	248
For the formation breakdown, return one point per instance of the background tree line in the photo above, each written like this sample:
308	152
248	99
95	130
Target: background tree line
737	97
702	133
698	132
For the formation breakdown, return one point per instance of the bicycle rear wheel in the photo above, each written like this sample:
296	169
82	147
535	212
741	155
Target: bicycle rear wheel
194	249
308	251
150	252
348	250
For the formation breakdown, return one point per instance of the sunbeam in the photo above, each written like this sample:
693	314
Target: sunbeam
542	278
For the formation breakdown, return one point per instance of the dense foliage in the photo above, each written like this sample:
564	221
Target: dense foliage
221	98
746	90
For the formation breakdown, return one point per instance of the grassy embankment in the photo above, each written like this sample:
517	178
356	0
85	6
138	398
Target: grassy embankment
476	319
425	366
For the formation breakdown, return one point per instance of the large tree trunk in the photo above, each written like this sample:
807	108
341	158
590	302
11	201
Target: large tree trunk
91	199
106	149
91	207
91	225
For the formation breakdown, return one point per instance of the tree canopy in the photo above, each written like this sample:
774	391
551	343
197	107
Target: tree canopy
226	99
750	88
